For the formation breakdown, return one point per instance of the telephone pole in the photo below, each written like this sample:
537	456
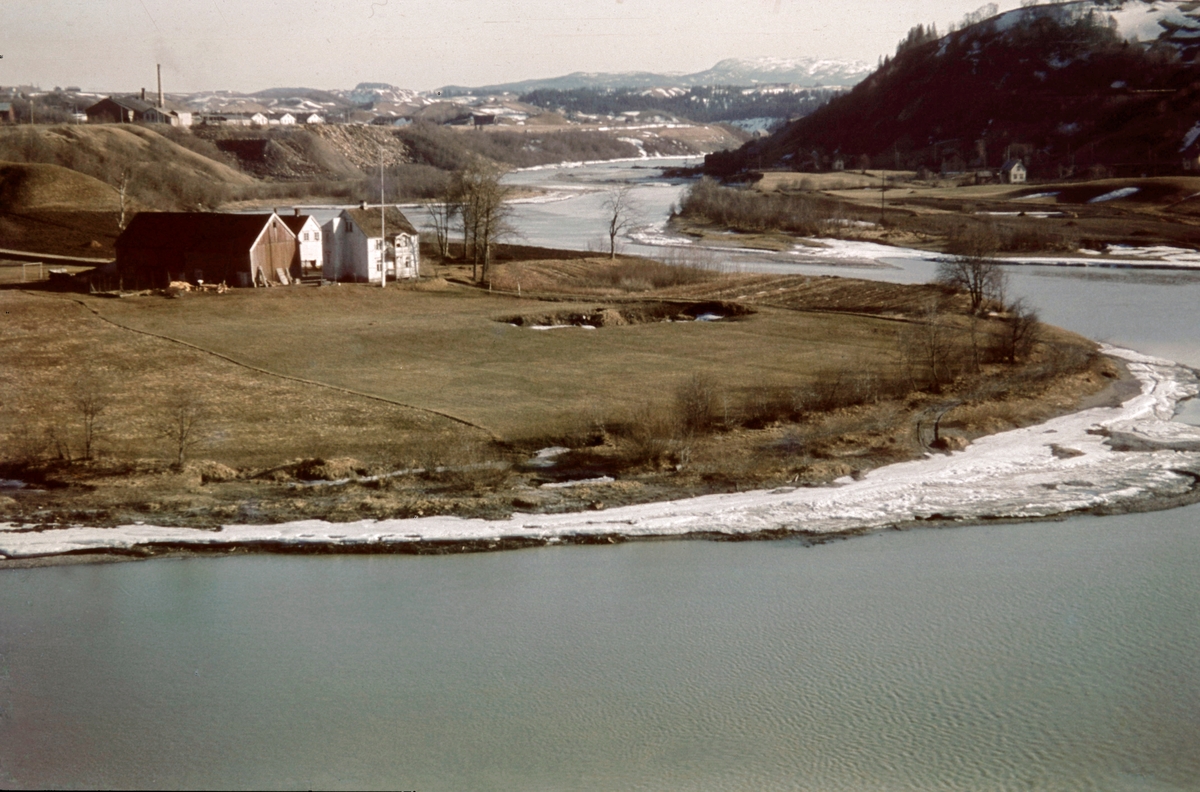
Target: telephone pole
382	226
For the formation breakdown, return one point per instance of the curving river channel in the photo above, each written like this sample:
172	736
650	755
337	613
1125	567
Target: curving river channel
1062	655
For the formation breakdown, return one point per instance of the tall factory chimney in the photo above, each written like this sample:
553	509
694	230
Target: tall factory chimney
160	96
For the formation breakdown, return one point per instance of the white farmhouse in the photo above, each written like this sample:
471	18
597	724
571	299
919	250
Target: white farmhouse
1013	172
310	258
354	246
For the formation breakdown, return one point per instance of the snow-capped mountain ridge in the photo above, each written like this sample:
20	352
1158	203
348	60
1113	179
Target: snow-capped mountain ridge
804	71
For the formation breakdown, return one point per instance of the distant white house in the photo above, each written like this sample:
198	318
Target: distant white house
354	246
281	119
1013	172
314	119
260	118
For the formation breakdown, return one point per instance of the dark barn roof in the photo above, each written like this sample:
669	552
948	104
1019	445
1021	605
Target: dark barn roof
239	249
215	232
368	220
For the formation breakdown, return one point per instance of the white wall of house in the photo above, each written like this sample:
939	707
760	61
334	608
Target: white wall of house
1014	174
365	256
351	255
312	249
407	262
332	243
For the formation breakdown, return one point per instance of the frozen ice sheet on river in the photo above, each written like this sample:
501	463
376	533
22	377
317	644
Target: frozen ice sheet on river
1011	475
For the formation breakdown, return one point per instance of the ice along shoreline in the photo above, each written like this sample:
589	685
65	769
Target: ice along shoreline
1104	459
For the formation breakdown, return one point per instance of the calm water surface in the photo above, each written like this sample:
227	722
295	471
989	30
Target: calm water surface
1048	656
1061	655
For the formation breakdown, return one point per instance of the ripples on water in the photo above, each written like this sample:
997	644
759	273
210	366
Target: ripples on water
1057	655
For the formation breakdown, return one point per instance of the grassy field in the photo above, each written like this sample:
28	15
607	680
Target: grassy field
447	350
806	380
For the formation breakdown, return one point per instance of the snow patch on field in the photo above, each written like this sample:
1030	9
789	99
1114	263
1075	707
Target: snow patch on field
1124	192
1012	475
1191	136
1120	256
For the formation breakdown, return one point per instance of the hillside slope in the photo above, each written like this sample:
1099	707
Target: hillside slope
26	187
1069	88
159	172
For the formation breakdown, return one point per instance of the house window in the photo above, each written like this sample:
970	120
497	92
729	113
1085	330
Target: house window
305	236
379	244
349	226
316	236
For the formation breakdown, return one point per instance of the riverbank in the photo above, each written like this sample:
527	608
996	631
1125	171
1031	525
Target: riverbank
1076	463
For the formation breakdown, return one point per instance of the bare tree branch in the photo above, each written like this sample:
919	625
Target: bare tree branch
619	211
184	422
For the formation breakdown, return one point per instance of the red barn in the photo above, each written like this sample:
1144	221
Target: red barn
237	249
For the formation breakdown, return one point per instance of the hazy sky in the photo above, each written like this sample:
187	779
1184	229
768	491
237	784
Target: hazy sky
246	45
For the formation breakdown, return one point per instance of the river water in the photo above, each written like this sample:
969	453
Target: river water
1058	655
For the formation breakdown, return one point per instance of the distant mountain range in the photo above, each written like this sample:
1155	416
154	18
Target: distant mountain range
798	72
805	72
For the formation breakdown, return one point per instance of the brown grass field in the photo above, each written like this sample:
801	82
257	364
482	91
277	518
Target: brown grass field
813	378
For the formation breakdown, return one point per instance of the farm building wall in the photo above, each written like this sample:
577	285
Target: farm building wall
273	253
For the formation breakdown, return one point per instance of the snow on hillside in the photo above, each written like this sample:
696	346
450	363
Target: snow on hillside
1176	22
797	71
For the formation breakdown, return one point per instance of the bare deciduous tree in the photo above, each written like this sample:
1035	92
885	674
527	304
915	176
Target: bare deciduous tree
442	213
619	211
972	269
1023	331
485	215
183	422
930	346
91	396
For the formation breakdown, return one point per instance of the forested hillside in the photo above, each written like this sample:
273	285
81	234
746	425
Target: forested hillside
1057	86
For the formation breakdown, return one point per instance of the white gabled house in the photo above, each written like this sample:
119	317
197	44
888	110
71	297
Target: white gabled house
310	249
354	246
1013	172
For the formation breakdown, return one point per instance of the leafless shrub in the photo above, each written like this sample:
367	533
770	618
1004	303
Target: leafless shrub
971	269
931	352
183	423
766	404
837	389
649	431
1028	239
752	211
1022	331
91	396
697	404
27	444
